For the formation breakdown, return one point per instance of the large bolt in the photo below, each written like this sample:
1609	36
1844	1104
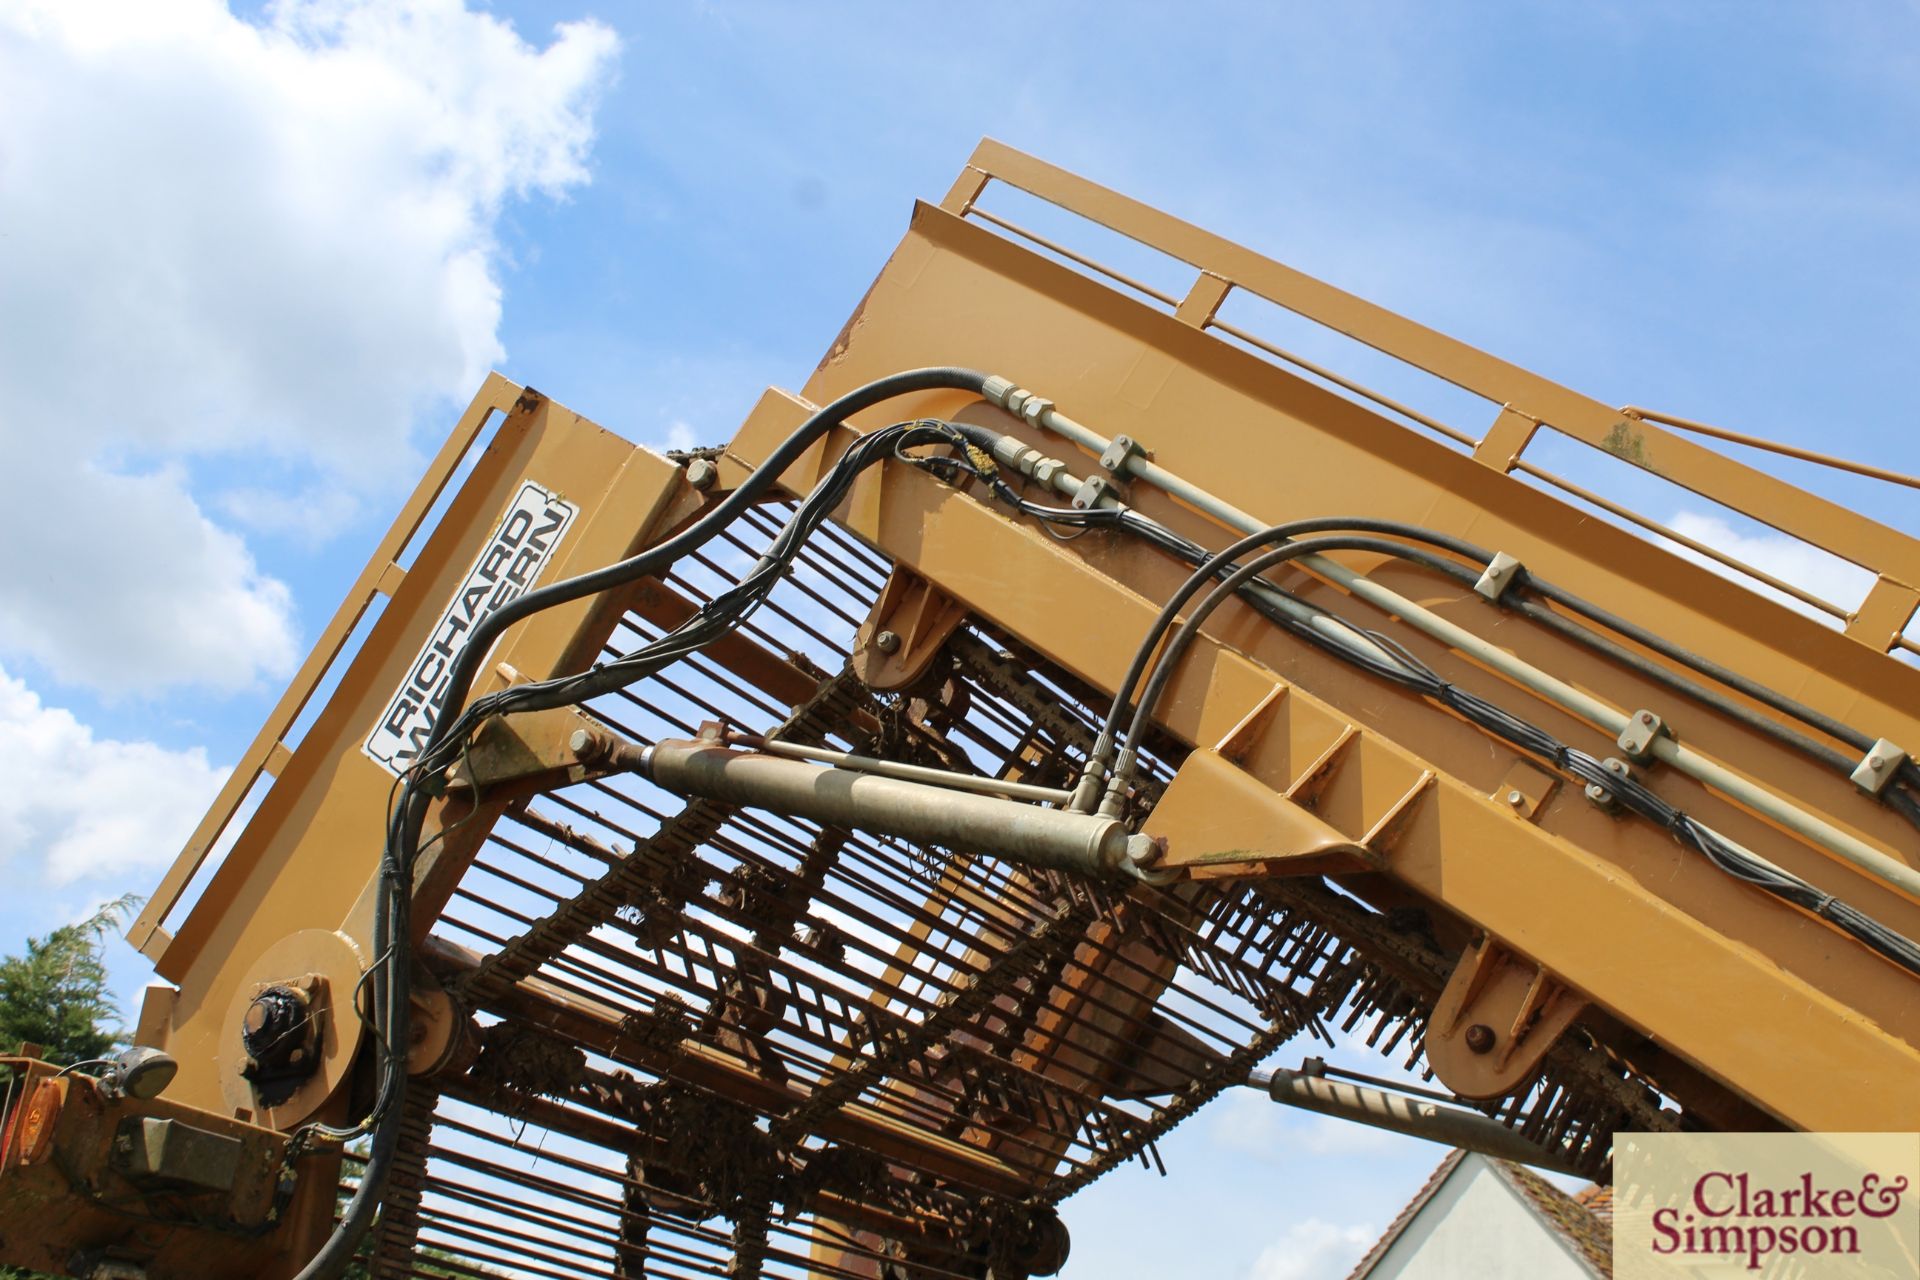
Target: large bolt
1480	1038
1516	799
586	745
1147	851
701	473
887	642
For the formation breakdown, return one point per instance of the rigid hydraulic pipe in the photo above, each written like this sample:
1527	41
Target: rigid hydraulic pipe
1011	453
1809	826
1415	1117
894	769
916	811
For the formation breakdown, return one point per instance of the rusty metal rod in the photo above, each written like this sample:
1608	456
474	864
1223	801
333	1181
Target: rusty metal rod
623	989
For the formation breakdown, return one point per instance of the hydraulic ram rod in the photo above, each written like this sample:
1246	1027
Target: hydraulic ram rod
894	769
1415	1117
916	811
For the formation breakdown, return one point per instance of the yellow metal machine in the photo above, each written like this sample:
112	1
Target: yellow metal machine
831	851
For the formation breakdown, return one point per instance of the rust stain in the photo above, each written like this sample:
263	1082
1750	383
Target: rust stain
844	340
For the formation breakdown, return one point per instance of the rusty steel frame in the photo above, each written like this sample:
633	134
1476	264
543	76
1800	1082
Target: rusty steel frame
1275	771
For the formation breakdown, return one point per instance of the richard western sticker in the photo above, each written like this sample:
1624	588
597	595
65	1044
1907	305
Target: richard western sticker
506	568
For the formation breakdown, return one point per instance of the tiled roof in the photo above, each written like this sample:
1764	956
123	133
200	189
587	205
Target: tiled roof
1583	1228
1597	1200
1590	1236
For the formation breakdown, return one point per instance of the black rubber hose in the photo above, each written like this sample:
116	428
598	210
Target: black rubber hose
1624	656
1407	670
1416	675
1208	569
1894	797
1899	801
657	557
1633	631
1228	587
390	930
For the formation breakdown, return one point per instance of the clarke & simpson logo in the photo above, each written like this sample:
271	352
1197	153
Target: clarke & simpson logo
1776	1205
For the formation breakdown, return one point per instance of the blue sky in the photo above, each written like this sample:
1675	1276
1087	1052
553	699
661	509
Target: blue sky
259	258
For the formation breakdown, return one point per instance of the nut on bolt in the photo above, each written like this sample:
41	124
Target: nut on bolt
887	642
1480	1038
588	746
1602	796
701	473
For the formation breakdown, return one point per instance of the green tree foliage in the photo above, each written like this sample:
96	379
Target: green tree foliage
56	994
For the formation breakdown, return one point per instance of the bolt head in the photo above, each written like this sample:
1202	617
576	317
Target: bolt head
701	473
1150	852
887	642
1646	717
1516	799
1480	1038
1877	764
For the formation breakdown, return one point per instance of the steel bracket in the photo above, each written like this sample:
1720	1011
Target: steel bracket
1093	490
910	624
1495	1020
1119	451
1602	796
1637	739
531	751
1501	571
1878	766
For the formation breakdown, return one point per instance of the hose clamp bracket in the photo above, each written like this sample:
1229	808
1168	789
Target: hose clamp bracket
1878	766
1501	571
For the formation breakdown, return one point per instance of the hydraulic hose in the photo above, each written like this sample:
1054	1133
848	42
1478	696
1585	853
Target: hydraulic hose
1023	403
1728	856
391	913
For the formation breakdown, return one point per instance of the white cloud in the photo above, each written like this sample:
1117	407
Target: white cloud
1248	1121
128	584
230	241
311	515
679	437
1788	559
79	807
1314	1249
